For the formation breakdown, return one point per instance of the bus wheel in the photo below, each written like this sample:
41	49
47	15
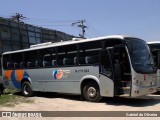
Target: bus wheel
27	89
91	92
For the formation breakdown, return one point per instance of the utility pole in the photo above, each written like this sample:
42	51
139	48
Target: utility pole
18	17
81	25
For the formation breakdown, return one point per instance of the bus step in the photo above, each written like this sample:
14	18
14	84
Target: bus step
125	88
126	83
123	95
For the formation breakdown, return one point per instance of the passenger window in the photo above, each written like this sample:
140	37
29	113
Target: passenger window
6	61
47	57
13	61
49	60
30	58
89	52
66	55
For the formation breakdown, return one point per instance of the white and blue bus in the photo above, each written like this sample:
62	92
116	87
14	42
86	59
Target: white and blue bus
94	68
155	49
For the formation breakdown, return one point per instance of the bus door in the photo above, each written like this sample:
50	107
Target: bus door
106	67
158	70
122	71
156	57
106	64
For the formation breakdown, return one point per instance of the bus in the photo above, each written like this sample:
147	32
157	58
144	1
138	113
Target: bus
1	81
99	67
155	49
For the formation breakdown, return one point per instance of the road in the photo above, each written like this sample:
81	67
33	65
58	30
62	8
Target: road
61	102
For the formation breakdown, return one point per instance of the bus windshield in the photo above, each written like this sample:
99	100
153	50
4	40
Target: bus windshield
140	55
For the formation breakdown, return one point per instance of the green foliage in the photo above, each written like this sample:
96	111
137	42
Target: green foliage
12	97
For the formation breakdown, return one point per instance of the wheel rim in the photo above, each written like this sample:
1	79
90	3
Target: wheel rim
92	92
26	89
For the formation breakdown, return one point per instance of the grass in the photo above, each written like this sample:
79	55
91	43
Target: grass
10	98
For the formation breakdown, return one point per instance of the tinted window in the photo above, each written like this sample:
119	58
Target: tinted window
89	52
13	61
47	57
66	55
30	59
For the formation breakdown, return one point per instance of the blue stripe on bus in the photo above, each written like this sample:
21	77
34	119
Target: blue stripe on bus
16	83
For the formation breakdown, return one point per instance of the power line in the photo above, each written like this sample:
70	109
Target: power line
52	20
52	25
5	16
93	30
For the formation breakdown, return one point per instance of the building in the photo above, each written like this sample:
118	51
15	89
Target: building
18	35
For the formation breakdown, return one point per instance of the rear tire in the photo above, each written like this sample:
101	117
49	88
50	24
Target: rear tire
26	89
91	92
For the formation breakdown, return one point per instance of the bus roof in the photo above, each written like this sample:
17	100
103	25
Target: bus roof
154	42
73	41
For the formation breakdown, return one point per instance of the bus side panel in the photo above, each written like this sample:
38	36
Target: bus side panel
61	87
8	84
10	79
65	80
54	80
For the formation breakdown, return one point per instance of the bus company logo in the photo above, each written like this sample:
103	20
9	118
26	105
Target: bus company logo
57	73
16	76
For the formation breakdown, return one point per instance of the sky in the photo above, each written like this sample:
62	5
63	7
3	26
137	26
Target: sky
138	18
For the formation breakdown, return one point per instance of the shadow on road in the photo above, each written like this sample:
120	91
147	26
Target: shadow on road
58	95
134	102
149	100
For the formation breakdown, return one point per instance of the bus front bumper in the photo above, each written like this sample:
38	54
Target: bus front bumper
141	91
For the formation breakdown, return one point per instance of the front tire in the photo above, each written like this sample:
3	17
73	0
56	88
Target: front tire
91	92
26	89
